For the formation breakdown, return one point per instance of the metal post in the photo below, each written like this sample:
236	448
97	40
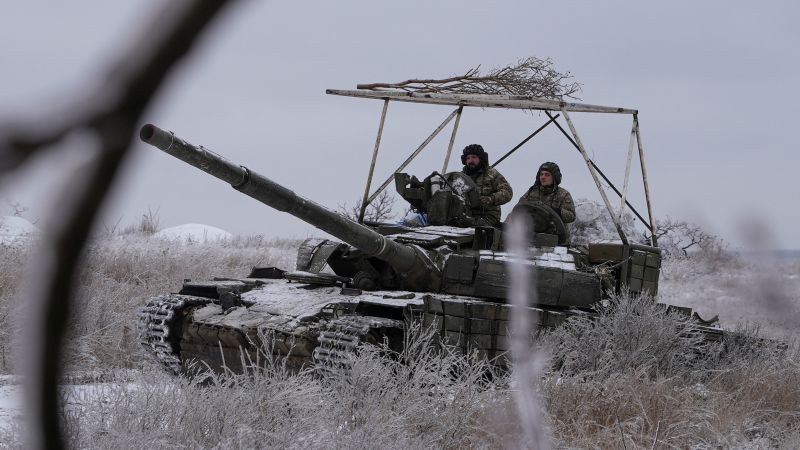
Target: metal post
594	176
413	155
552	119
372	164
452	139
600	172
627	172
644	179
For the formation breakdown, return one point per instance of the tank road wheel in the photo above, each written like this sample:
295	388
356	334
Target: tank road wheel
160	327
339	341
365	281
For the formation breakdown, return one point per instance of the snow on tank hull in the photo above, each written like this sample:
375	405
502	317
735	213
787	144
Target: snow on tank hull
266	318
234	323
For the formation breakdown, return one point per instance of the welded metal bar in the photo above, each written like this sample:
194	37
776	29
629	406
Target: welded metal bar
593	172
552	119
627	172
644	179
372	164
482	101
600	172
413	155
452	139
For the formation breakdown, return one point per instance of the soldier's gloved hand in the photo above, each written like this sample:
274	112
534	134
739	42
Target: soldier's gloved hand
486	201
558	211
464	221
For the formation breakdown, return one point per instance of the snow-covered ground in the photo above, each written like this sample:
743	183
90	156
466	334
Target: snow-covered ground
79	393
194	233
14	230
763	291
10	401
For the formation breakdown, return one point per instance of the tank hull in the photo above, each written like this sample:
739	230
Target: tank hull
306	325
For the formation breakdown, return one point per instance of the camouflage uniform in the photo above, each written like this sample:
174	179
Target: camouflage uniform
493	188
494	191
553	196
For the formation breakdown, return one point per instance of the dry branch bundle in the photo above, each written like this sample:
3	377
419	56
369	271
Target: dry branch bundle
528	77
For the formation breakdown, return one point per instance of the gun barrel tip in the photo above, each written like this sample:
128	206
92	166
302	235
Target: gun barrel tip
147	132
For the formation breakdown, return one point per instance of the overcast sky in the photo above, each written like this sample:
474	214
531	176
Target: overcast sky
715	84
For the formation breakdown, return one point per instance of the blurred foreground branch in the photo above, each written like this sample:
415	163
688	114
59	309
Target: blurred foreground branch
109	116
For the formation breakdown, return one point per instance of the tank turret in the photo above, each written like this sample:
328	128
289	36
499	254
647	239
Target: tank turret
447	259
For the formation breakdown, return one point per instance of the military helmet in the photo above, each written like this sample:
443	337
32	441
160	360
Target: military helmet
475	149
554	171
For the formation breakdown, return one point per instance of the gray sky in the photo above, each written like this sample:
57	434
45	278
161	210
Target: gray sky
715	84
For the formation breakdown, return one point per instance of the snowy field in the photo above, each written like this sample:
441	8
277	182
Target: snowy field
636	392
10	401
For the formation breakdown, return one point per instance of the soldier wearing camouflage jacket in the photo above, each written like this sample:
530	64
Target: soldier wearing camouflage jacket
546	190
493	188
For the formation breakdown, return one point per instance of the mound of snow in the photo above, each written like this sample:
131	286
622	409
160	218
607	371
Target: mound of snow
14	228
193	232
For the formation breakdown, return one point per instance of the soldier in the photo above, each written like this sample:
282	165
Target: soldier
546	190
493	188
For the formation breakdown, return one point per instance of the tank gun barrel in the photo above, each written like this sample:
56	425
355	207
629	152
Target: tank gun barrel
401	257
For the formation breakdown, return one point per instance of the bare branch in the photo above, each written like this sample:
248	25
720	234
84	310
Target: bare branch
529	77
682	239
381	209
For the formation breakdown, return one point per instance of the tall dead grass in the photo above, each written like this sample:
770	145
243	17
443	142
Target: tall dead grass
639	391
12	261
743	289
631	378
420	398
119	273
641	377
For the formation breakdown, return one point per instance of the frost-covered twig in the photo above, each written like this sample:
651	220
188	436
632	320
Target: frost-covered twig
528	77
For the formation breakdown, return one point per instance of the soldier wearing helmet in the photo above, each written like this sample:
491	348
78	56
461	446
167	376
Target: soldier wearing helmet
493	188
546	190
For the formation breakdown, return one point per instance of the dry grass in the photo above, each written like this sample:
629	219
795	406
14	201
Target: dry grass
631	379
629	335
635	378
743	290
119	273
12	261
419	398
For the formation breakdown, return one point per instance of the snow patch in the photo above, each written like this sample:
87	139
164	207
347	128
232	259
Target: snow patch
193	232
14	229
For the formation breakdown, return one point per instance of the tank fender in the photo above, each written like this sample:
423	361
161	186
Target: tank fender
313	253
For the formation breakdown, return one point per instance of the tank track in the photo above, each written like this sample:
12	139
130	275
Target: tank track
157	319
338	342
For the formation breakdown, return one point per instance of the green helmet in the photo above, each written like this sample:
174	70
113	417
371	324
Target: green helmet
554	171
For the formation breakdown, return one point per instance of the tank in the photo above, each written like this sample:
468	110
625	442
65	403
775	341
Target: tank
375	280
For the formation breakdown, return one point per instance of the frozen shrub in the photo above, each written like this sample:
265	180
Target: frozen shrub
117	275
12	261
593	223
630	334
422	397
